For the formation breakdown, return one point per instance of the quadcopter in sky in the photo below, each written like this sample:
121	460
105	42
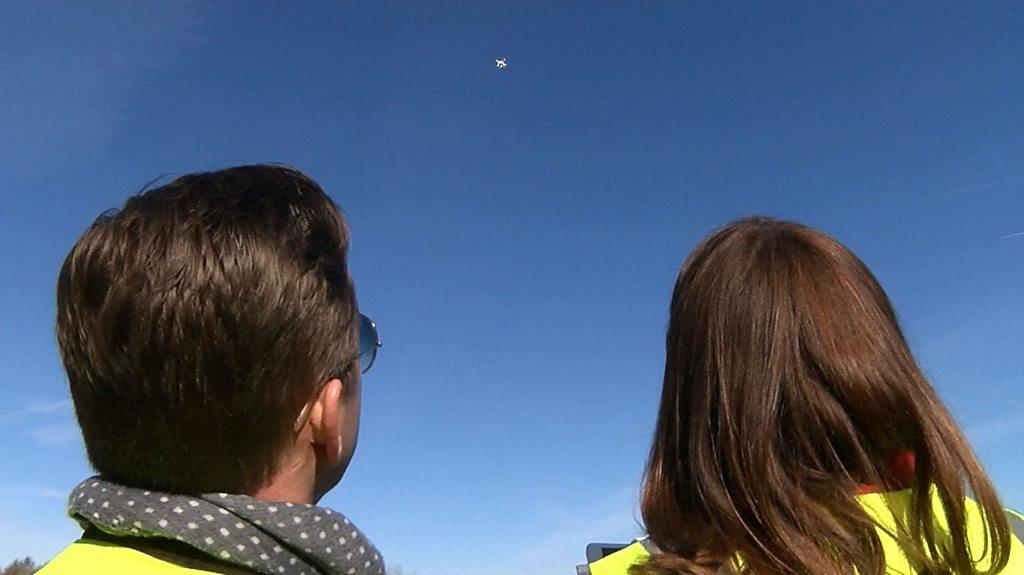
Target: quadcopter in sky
500	63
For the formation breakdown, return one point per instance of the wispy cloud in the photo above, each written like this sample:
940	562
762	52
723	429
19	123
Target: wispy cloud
1014	235
996	428
48	423
34	492
55	435
559	546
34	410
1009	181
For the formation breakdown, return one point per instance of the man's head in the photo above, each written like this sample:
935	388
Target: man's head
209	330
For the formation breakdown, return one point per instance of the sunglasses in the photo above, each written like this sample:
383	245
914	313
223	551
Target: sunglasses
369	343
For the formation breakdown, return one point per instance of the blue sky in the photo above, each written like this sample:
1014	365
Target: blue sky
516	233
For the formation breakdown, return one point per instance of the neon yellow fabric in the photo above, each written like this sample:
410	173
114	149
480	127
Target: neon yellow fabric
881	507
619	562
85	557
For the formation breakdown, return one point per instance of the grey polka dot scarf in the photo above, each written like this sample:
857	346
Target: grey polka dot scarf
262	536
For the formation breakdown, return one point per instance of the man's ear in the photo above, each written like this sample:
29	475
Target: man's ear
325	418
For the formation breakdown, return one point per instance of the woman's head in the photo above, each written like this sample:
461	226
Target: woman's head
789	384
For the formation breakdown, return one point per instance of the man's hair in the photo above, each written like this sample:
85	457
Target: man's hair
196	321
788	385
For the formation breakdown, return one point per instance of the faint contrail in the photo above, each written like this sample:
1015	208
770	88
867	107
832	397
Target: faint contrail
34	410
1016	235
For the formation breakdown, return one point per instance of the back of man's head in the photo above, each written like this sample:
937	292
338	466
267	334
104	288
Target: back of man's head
195	322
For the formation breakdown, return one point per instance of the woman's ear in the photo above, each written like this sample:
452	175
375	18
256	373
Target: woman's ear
324	419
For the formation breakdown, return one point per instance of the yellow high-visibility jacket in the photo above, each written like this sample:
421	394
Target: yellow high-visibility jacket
883	508
107	556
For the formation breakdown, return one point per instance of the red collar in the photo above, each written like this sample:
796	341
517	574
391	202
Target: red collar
899	466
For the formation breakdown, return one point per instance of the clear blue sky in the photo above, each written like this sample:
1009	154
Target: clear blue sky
517	232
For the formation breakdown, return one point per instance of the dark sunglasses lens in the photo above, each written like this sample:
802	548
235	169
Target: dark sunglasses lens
368	343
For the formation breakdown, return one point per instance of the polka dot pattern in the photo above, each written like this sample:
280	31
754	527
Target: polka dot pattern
269	538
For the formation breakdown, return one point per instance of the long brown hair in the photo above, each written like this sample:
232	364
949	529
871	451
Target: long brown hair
788	383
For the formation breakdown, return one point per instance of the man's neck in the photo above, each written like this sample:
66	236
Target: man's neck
294	482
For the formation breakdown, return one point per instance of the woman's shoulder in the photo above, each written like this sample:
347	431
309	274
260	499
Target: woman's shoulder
883	508
619	562
888	509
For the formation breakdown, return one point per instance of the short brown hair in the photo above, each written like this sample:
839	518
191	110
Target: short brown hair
787	383
196	321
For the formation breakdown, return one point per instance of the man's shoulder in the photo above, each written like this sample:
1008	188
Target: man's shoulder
89	557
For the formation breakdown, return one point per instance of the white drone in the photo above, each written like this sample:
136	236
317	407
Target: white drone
500	64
